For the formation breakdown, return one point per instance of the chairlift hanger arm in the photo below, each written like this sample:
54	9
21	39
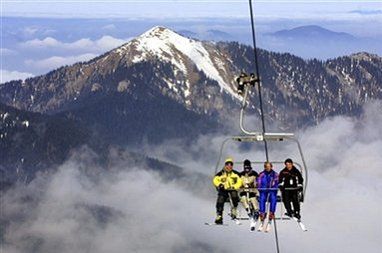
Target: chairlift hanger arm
242	110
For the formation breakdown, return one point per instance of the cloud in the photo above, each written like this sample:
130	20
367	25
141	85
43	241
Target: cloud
61	53
7	75
7	52
109	27
47	42
128	211
30	30
83	208
66	53
109	42
58	61
367	12
101	45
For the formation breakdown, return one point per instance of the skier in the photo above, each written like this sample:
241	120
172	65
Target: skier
249	191
227	183
267	184
290	177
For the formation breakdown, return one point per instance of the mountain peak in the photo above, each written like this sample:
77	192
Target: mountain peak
364	56
313	31
158	31
166	45
310	28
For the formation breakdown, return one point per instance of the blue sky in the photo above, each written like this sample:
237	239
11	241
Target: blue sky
192	8
348	16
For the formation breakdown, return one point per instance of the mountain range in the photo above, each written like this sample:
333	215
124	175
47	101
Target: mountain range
313	32
162	86
304	41
307	42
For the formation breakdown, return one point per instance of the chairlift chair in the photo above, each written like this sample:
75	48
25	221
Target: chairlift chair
255	137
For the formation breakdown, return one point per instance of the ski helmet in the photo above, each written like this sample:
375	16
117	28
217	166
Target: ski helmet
228	160
247	165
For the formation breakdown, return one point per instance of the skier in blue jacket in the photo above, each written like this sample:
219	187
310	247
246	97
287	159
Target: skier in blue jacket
267	184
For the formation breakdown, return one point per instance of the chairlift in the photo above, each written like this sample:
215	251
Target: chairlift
277	137
244	83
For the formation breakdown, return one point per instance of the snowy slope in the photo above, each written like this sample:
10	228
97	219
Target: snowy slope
171	47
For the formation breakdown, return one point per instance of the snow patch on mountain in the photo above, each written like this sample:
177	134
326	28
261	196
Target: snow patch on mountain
166	44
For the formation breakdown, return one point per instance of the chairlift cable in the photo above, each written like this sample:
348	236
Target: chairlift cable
258	76
261	104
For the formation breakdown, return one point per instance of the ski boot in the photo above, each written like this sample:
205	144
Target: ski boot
254	218
234	213
297	216
234	216
255	215
219	220
262	217
271	216
249	213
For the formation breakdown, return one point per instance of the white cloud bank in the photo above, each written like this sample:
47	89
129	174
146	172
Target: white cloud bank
7	75
58	61
135	211
84	45
67	53
7	52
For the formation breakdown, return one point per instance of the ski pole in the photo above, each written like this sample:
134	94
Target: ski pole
230	199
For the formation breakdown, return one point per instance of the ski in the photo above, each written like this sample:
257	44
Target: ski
300	224
214	224
253	224
261	226
237	222
268	226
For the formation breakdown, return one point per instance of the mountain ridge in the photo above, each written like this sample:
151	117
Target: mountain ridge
200	76
312	31
116	101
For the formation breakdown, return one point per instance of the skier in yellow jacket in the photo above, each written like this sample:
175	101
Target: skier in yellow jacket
227	182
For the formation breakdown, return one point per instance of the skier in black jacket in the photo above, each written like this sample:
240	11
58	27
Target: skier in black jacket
290	177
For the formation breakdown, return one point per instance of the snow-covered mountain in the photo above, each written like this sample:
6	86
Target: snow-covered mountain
162	72
161	86
178	64
168	46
